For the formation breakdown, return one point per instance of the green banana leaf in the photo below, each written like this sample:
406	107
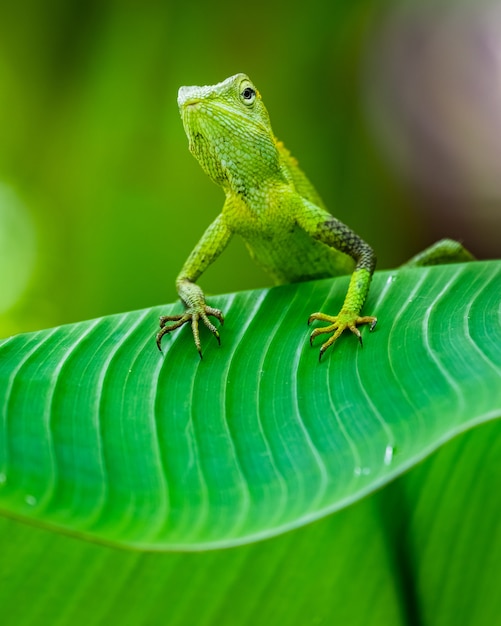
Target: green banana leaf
425	550
103	436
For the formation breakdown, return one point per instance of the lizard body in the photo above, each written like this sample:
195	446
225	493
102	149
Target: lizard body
270	203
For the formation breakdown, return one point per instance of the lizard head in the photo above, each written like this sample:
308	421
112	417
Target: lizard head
229	132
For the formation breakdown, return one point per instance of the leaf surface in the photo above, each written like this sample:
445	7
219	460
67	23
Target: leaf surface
103	436
425	549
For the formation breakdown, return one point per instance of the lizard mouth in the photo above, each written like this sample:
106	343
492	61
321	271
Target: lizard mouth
191	102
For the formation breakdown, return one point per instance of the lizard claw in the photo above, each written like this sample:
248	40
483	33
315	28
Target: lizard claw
193	316
337	325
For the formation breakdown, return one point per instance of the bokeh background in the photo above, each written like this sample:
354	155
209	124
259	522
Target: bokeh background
393	109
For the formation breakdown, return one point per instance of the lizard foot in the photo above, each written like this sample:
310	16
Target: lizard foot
337	325
192	315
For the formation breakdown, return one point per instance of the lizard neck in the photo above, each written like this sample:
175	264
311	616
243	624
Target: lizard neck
251	171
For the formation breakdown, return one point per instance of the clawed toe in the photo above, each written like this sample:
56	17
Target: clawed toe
346	320
192	316
321	317
215	313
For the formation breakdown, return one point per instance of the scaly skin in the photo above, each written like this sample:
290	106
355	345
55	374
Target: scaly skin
270	203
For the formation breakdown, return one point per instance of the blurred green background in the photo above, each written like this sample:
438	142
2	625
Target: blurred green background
391	109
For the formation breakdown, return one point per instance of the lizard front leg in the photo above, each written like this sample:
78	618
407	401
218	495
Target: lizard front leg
327	229
210	246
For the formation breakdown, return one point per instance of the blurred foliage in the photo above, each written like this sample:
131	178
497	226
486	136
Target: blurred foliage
93	149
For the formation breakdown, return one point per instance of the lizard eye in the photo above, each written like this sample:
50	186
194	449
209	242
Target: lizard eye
248	96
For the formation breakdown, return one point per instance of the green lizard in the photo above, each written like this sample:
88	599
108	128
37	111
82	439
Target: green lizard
274	207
